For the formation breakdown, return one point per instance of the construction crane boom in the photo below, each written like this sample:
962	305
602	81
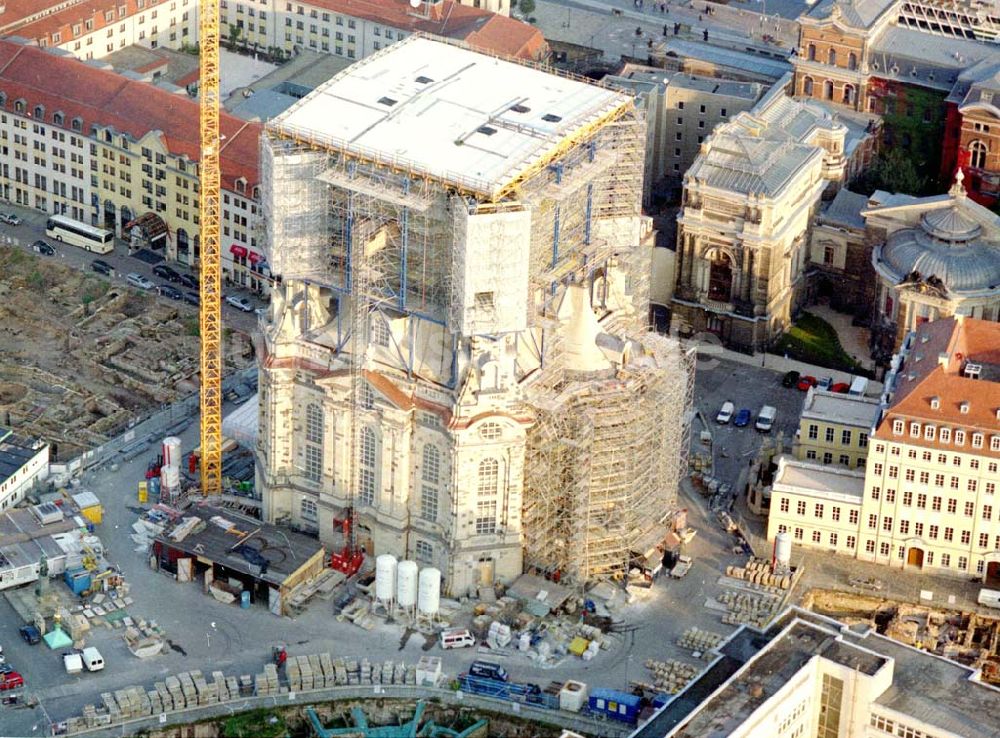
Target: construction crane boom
210	311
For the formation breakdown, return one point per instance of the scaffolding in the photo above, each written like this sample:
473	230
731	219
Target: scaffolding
604	461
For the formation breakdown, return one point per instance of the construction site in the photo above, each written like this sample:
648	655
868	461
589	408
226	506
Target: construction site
465	278
83	357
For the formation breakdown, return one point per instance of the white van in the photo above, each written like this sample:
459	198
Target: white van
459	638
92	659
725	413
765	419
859	385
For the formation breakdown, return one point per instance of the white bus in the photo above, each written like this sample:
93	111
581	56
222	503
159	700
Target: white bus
80	234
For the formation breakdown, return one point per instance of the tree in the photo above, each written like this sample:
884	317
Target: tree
527	7
892	171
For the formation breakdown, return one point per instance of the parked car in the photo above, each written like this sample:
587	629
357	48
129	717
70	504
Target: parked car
101	267
790	379
488	670
10	219
765	418
240	303
30	634
139	281
682	567
192	298
806	382
11	680
41	247
742	418
172	292
190	281
725	413
165	272
825	383
841	387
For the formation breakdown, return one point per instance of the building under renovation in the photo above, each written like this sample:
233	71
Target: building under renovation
457	346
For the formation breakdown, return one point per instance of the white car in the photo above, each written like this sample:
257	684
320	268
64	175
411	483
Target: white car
241	303
137	280
725	413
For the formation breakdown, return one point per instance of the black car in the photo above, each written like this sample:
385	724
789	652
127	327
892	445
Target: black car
101	267
165	272
190	281
43	248
30	634
192	298
790	379
172	292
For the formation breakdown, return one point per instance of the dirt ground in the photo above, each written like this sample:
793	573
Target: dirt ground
82	357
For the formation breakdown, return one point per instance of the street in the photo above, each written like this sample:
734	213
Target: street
32	228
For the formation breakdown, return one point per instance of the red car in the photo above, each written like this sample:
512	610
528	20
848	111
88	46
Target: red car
11	680
806	382
841	387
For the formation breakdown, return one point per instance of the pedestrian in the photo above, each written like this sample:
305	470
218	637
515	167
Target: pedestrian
706	34
699	17
664	29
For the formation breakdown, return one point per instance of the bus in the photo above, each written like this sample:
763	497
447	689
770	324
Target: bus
80	234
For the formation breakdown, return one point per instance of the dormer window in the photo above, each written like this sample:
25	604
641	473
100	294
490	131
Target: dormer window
20	105
59	118
994	443
946	435
929	432
914	430
3	99
897	427
39	112
77	124
960	438
972	371
241	185
963	408
977	440
935	403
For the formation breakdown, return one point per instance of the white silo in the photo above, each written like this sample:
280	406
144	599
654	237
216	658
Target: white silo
172	451
429	594
783	550
406	585
385	580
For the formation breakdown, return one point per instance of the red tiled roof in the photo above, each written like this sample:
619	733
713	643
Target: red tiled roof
104	98
962	341
17	20
480	28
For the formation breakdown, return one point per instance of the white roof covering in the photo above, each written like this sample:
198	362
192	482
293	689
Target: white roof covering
241	424
446	111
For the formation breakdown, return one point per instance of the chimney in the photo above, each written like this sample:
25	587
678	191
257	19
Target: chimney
943	359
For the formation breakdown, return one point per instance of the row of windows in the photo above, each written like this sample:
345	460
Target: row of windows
846	436
941	458
954	482
891	727
816	537
944	435
819	510
843	459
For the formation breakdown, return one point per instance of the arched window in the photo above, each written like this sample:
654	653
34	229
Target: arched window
807	86
313	449
77	124
487	489
811	52
430	475
39	112
977	154
828	90
720	276
831	57
368	477
59	118
852	61
849	94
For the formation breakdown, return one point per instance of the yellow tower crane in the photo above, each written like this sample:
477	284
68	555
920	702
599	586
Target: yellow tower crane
211	259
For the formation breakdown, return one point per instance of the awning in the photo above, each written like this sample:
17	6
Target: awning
153	226
237	250
255	257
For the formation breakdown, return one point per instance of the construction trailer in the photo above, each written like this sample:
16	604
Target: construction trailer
444	224
232	554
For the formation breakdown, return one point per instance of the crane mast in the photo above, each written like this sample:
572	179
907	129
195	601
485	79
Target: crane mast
210	311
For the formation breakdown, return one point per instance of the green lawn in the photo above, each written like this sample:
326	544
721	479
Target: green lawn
255	724
814	341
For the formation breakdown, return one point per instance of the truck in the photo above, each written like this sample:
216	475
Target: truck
681	567
989	598
73	662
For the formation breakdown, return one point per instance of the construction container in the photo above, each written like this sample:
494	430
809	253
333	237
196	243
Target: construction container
573	696
90	506
78	580
143	491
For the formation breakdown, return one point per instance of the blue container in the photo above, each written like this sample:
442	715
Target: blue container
245	599
615	705
154	487
78	580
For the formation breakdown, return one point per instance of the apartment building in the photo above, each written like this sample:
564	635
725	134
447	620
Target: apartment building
353	29
808	675
681	111
929	498
91	30
105	149
834	428
23	463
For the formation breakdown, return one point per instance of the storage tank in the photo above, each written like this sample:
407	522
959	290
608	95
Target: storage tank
429	593
406	584
172	451
783	548
385	577
170	476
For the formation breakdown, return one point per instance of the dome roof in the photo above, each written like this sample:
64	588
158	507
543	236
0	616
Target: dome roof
945	247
